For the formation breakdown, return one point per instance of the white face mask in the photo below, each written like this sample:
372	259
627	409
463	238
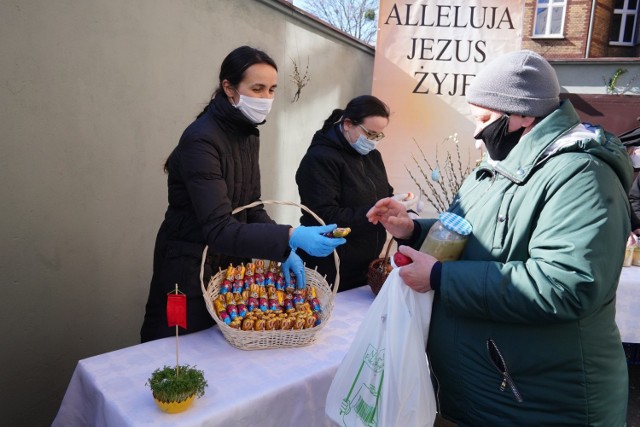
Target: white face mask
363	145
635	160
254	109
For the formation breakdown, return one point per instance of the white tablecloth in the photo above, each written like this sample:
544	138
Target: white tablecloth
285	387
628	305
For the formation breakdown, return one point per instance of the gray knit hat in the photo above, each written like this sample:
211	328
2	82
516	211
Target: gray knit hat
521	82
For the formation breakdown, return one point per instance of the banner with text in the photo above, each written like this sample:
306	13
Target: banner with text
427	53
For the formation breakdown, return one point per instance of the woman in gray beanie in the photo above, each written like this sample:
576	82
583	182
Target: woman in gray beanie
523	328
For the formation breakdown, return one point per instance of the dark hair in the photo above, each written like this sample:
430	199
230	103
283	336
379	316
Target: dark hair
236	63
358	109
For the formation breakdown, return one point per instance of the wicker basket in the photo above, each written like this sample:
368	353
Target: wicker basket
378	271
260	340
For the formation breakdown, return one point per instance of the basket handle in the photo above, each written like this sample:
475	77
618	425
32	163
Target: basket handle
386	252
336	258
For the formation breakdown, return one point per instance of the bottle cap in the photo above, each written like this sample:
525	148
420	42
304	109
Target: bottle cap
455	223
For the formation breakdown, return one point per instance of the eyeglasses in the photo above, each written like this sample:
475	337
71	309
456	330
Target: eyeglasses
371	135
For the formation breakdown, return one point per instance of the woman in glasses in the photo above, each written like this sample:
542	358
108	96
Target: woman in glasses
340	178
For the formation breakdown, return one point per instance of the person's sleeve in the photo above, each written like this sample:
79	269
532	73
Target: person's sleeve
634	200
575	256
201	168
420	229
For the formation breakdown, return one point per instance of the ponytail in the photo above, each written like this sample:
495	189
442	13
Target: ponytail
332	119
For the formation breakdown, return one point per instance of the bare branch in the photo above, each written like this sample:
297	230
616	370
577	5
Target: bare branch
355	17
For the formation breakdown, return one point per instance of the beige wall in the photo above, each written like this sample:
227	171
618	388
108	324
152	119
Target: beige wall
94	95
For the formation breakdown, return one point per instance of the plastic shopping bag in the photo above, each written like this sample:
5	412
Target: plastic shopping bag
384	378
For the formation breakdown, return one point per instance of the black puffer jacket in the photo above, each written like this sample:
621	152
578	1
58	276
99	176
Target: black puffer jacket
634	200
340	186
213	170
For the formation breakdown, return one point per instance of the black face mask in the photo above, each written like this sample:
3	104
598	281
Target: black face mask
497	138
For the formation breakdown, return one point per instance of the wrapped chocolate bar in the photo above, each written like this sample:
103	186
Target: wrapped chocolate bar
339	232
259	325
247	324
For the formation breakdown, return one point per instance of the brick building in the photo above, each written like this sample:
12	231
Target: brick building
594	45
572	29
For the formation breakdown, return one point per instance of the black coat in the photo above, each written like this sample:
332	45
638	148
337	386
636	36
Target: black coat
634	200
213	170
340	186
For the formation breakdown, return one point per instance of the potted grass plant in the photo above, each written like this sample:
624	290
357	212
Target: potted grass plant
175	388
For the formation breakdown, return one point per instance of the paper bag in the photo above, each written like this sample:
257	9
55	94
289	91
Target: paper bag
384	378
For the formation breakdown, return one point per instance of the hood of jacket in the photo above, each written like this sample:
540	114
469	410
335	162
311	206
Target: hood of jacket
332	138
229	118
550	138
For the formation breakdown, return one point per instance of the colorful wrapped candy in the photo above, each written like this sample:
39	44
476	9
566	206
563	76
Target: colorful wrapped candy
248	302
259	267
315	305
259	325
230	275
299	323
225	287
297	297
239	273
247	324
310	322
288	302
221	311
241	309
252	304
339	232
238	286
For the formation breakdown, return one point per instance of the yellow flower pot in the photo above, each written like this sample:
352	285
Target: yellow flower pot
175	407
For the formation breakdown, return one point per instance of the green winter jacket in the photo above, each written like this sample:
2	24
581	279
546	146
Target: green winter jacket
536	285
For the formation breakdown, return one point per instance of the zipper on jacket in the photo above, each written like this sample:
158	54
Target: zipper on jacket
498	362
435	377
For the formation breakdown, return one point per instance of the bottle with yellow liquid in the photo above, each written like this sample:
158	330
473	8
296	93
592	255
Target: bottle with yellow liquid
447	237
636	256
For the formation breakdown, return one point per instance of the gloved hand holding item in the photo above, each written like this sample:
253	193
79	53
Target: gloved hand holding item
294	263
312	240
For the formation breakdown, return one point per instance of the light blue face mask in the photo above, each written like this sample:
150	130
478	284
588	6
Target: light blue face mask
363	145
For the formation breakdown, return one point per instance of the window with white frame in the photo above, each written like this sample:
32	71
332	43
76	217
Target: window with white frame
624	27
549	20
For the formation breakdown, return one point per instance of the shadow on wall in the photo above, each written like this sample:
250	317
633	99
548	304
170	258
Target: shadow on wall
615	113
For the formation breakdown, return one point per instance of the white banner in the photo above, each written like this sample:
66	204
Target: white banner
427	54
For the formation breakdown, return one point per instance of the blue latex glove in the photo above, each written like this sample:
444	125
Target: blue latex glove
294	263
312	240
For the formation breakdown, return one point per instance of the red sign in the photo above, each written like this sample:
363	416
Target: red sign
177	310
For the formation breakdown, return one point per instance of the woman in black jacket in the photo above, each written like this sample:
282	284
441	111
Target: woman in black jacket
340	178
213	170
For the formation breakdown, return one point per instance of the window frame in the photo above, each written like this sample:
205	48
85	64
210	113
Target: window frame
635	35
549	5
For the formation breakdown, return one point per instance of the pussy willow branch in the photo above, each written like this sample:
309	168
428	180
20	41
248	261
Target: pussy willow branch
427	179
442	196
449	179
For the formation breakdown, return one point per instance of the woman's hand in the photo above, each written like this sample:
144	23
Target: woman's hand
417	275
313	240
295	265
393	216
